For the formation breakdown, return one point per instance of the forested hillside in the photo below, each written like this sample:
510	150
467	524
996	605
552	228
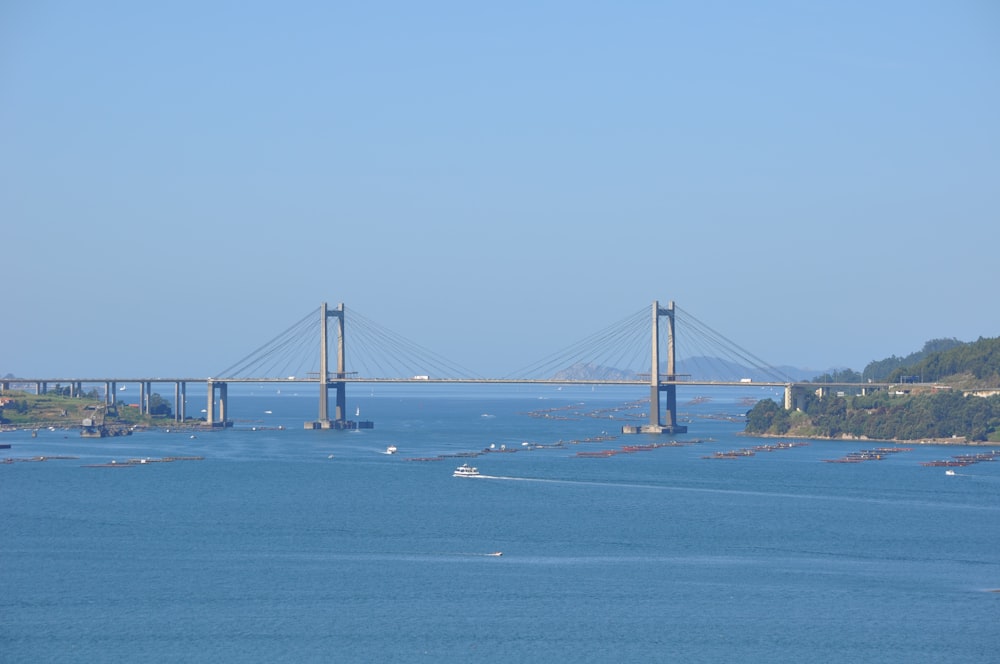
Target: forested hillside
980	360
938	412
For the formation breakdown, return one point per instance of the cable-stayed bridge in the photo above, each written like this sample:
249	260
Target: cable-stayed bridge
627	352
619	353
338	346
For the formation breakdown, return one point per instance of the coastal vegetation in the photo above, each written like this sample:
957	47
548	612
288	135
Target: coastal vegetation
942	394
57	408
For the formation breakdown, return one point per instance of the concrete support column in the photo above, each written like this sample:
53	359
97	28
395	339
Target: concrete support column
654	371
324	369
795	397
340	414
210	409
340	411
223	402
671	411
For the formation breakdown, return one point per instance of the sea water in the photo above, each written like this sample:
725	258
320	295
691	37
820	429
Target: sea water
284	544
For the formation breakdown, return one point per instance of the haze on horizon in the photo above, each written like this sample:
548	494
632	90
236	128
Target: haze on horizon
180	182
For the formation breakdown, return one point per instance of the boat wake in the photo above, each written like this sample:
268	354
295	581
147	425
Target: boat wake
533	479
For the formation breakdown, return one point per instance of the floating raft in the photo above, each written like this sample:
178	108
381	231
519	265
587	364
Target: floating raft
129	463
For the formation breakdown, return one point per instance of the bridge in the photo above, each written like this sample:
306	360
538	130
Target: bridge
384	357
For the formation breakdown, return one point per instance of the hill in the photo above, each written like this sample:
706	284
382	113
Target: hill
588	371
714	368
963	402
699	367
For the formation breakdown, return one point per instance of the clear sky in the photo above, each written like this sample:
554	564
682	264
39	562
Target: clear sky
181	181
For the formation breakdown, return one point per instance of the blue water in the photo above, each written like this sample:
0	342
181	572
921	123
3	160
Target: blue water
270	550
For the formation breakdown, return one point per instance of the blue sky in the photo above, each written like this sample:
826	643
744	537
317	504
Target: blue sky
179	182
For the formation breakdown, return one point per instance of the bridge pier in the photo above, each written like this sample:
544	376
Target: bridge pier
668	424
180	401
795	397
223	389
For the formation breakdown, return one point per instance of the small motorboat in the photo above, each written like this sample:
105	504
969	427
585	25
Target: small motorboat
391	449
949	472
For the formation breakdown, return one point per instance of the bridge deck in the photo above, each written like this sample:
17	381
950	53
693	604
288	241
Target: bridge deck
446	381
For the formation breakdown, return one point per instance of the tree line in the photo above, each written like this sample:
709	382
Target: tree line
882	371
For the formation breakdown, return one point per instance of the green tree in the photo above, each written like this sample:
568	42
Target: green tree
839	376
159	407
767	417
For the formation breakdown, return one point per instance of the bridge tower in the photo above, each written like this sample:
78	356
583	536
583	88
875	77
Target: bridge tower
339	383
659	383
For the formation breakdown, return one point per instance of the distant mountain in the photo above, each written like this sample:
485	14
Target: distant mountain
698	368
588	371
714	368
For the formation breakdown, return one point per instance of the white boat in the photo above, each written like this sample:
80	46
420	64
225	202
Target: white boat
949	472
465	470
391	449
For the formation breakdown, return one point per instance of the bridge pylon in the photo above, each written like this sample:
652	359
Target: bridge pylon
660	383
339	380
223	404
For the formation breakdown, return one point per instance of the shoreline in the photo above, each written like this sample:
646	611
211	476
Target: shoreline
959	441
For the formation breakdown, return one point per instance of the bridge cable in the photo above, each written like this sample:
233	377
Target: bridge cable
582	353
253	359
729	347
407	355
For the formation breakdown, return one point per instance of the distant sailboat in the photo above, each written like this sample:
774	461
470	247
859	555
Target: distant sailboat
357	412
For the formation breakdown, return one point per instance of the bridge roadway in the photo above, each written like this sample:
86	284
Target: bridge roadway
6	383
